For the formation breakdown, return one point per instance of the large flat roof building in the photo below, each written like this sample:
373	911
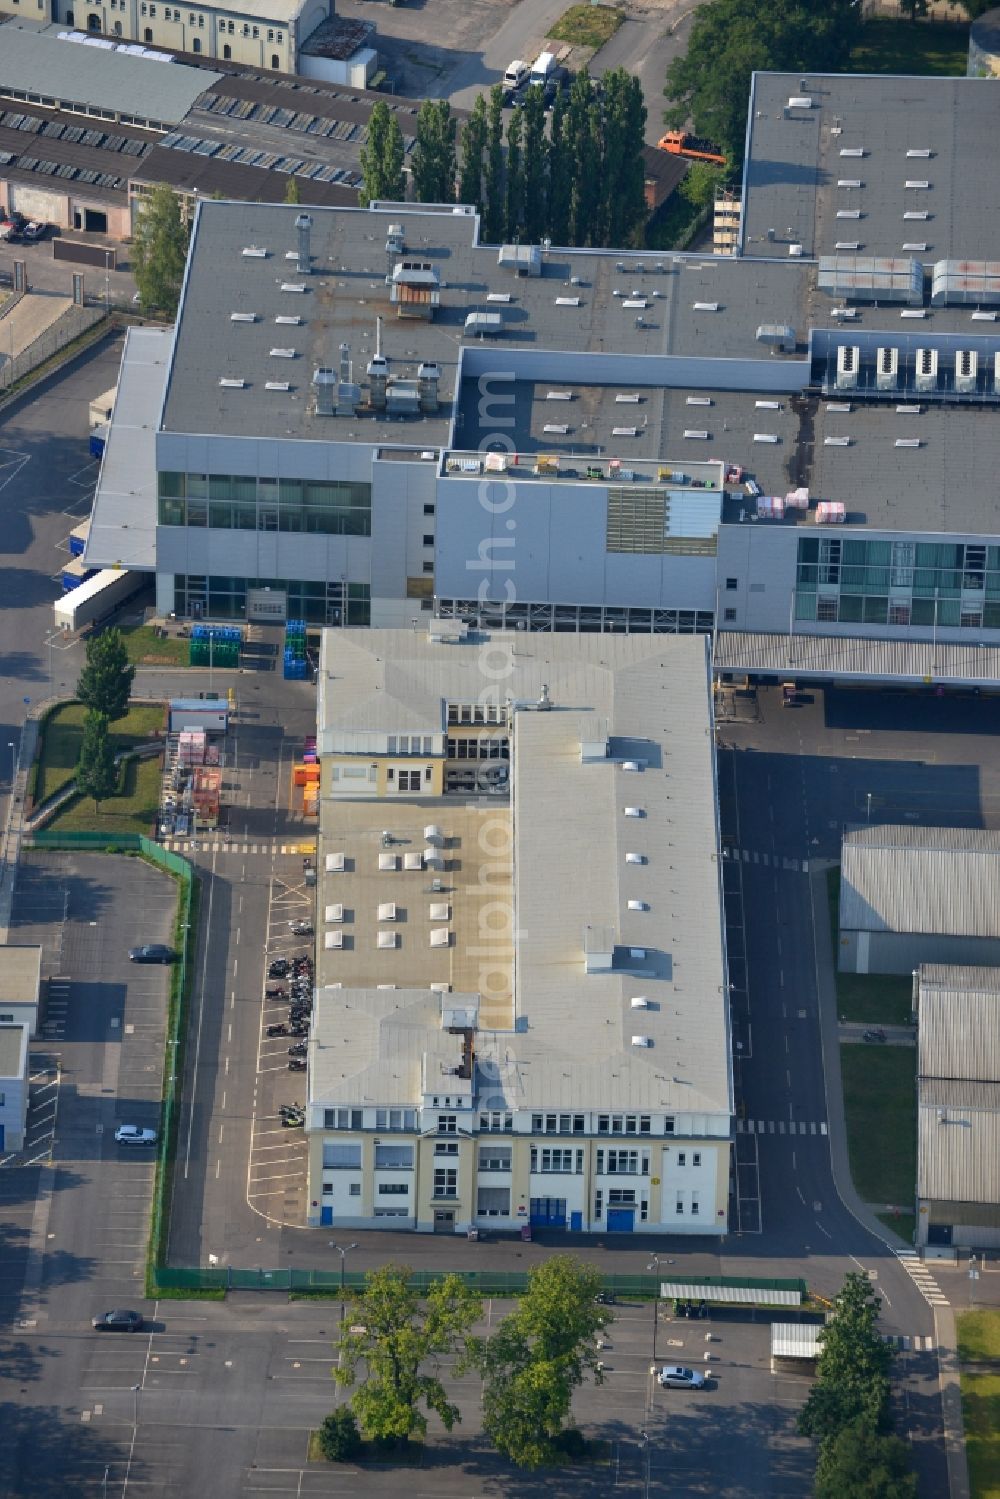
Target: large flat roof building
520	936
764	445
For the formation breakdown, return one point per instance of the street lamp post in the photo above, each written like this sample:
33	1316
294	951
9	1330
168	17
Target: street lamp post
868	800
343	1250
654	1264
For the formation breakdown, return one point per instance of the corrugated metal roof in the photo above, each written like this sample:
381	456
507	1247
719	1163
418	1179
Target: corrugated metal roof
958	1142
959	1035
848	658
39	62
796	1339
909	879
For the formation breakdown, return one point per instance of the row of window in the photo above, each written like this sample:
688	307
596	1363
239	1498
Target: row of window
833	608
317	510
485	747
477	713
572	618
324	603
496	1121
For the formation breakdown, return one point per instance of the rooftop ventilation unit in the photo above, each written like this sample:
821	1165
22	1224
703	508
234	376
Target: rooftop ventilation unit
498	296
852	150
848	362
776	335
575	302
639	1002
836	442
324	383
691	400
556	429
523	260
765	437
289	320
559	395
689	432
887	369
641	1041
434	835
984	317
907	442
848	244
296	286
635	858
428	381
926	373
705	306
767	405
395	243
277	385
922	151
916	216
303	227
915	185
912	312
908	410
242	317
638	905
282	353
849	182
634	812
920	245
631	432
254	252
629	400
800	101
232	382
966	370
849	213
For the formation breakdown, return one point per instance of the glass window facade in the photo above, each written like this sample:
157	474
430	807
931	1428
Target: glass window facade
236	502
327	603
841	580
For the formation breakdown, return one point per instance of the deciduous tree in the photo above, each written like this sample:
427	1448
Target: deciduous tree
433	160
401	1339
382	158
560	175
862	1463
514	200
339	1437
535	205
852	1374
622	207
538	1356
95	769
472	145
105	682
493	175
159	249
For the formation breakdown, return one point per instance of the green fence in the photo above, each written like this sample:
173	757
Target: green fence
487	1282
173	1060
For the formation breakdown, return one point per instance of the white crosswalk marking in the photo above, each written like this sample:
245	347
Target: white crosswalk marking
780	1127
921	1277
770	861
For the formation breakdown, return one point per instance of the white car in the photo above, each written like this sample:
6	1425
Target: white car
131	1134
674	1377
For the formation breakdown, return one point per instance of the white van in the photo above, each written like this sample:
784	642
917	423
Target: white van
542	66
516	74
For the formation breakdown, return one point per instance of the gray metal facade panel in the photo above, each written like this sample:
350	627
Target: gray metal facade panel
892	952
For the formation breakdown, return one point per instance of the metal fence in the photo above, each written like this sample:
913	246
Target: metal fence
74	321
486	1282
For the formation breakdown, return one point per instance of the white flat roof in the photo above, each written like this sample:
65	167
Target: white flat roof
123	523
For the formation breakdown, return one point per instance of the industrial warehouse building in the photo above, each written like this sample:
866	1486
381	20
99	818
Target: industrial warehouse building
792	447
912	895
522	1010
958	1106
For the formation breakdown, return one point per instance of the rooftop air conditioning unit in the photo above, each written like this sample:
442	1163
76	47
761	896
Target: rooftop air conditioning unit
639	1002
966	369
848	362
926	369
641	1041
887	369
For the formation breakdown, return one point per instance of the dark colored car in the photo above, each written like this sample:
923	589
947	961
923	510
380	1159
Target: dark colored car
35	230
119	1320
151	952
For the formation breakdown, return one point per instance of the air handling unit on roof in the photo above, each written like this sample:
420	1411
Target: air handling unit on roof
378	372
325	384
872	278
415	289
965	283
523	260
779	336
428	380
926	371
887	369
966	370
848	360
395	243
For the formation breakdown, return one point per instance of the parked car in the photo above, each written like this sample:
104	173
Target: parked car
34	230
132	1134
120	1320
675	1377
151	952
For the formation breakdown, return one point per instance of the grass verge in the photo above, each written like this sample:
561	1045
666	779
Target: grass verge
132	810
869	998
880	1097
979	1335
904	1225
981	1413
888	46
146	648
587	25
61	734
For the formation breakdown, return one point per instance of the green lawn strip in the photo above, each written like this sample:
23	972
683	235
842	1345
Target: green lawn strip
889	46
903	1225
880	1106
587	25
133	810
979	1335
981	1414
61	732
147	648
870	998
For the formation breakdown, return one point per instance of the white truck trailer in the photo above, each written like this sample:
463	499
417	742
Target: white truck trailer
95	598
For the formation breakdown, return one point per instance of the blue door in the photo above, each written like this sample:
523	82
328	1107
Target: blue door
621	1220
326	1217
576	1222
548	1212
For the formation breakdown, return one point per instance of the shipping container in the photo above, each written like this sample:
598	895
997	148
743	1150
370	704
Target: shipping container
209	714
